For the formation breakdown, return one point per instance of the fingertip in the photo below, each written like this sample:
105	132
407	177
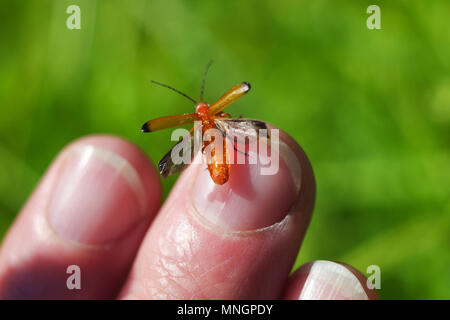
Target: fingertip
139	160
328	280
105	186
91	209
267	186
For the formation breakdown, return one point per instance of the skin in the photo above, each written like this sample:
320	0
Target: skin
165	253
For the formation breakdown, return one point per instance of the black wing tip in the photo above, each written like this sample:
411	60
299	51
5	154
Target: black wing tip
163	170
145	128
248	86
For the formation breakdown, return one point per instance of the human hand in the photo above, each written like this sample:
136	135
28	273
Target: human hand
98	207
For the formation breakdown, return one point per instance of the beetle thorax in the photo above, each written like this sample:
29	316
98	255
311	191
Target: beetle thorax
202	110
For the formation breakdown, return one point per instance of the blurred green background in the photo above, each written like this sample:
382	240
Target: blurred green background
371	108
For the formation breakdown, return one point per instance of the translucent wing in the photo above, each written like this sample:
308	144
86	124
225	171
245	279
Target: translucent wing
169	122
241	132
167	166
235	127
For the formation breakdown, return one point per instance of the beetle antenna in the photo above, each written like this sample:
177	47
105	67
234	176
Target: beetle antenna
177	91
204	79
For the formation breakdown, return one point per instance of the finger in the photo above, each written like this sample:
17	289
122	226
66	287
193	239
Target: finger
235	241
91	209
328	280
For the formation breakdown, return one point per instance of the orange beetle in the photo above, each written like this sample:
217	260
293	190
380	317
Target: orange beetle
211	117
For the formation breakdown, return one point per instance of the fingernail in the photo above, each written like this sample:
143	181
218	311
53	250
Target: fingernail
329	280
250	199
97	198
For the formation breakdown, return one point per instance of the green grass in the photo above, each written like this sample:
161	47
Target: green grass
370	107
